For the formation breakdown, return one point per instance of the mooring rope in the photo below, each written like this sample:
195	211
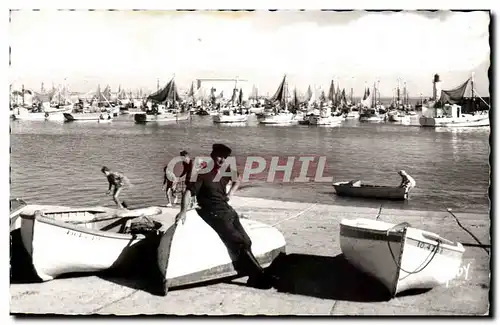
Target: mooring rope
379	211
295	216
483	246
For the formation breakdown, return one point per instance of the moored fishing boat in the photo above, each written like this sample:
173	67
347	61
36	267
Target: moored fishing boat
444	111
159	112
87	117
357	189
230	117
279	117
166	116
43	114
371	115
399	256
184	261
353	114
67	240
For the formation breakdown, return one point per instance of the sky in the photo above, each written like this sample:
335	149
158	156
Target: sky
135	48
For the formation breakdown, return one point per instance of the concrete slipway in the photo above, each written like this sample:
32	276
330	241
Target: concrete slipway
315	278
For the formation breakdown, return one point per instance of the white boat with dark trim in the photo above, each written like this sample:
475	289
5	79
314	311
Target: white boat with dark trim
184	261
65	240
444	110
399	256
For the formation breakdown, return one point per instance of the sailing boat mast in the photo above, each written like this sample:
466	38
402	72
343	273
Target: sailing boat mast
285	86
405	94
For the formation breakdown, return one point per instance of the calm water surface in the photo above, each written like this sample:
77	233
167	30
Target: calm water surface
59	163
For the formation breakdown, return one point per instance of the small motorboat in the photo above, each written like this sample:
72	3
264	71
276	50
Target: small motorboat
70	240
192	252
399	256
16	207
357	189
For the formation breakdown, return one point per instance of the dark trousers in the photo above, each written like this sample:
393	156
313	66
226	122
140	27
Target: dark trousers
228	226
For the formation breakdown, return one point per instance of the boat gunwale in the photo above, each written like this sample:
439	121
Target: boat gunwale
457	247
78	228
346	185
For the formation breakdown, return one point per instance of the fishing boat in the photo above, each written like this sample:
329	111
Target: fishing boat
163	108
399	256
230	117
278	116
444	111
357	189
399	117
67	240
184	261
16	207
371	115
370	112
234	114
353	114
88	117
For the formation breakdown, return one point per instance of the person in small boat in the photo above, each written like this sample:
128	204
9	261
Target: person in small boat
214	209
407	181
169	183
116	182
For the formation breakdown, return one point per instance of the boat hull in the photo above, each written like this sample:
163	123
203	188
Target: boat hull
143	118
331	120
401	259
58	247
87	117
237	118
469	121
371	118
371	191
41	116
183	260
279	119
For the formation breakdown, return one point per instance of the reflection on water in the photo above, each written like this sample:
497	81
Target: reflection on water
58	163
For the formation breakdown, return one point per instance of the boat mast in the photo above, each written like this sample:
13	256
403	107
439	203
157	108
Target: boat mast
285	86
405	95
398	94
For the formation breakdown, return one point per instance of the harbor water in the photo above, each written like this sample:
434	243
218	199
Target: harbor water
59	163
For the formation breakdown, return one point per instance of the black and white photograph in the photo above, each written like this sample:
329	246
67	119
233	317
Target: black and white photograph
268	162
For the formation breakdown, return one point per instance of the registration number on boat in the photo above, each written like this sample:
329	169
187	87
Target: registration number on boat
81	235
429	247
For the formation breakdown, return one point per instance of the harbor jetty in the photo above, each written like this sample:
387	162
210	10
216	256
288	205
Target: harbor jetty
315	279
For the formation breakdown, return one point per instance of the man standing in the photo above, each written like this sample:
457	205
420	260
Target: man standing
406	181
169	183
116	180
187	166
214	209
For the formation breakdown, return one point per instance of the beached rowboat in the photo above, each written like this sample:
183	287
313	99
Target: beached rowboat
192	252
79	240
357	189
399	256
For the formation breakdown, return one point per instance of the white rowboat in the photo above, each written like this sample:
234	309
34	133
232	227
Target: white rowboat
399	256
192	252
